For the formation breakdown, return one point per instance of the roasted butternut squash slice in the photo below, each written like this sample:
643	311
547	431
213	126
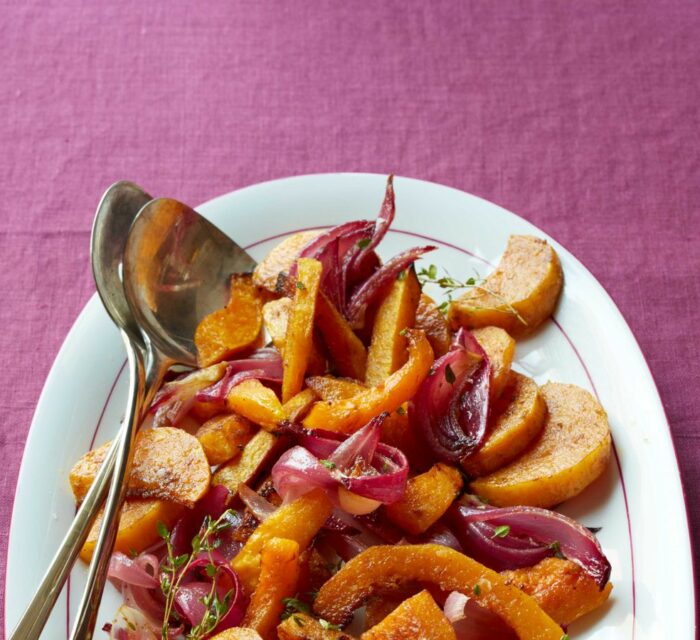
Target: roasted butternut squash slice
256	402
280	260
417	618
561	587
500	349
330	388
301	626
299	520
519	295
431	564
572	450
517	418
396	313
279	574
223	437
235	328
346	416
430	319
427	498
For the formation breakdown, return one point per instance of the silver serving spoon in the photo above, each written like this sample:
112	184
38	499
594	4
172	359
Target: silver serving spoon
115	214
176	269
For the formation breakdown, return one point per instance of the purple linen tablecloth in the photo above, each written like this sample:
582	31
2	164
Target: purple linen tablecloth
580	116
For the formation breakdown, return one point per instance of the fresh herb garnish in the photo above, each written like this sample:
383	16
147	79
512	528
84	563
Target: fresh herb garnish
328	464
401	411
174	569
294	605
449	374
556	547
327	625
451	285
477	590
404	332
501	532
300	285
402	275
363	243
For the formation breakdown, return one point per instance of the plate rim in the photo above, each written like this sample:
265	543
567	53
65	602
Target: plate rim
216	201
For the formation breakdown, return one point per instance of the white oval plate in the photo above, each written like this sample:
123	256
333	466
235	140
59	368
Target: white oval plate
638	503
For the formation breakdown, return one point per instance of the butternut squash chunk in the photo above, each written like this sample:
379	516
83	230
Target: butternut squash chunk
519	295
330	388
430	319
245	468
138	525
280	259
517	418
381	566
299	337
397	432
168	463
256	402
427	498
561	587
396	313
224	437
345	348
500	349
299	520
417	618
347	416
279	574
571	452
235	328
298	406
301	626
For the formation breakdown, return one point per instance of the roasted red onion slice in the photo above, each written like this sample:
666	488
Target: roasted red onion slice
263	364
360	464
213	504
371	288
474	622
141	571
259	507
175	398
450	408
512	537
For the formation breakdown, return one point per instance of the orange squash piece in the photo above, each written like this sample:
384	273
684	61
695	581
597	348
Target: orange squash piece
256	402
397	432
347	416
500	349
418	618
430	319
138	525
168	463
245	468
299	337
297	407
345	348
431	564
301	626
235	328
561	587
573	449
276	318
330	388
519	295
279	574
224	437
281	259
517	418
396	313
299	520
427	498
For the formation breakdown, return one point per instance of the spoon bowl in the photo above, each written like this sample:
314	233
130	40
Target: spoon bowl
177	269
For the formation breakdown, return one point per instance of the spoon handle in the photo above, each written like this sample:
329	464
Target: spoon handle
37	612
84	625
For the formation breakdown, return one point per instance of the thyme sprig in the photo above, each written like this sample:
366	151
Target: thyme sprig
175	567
451	285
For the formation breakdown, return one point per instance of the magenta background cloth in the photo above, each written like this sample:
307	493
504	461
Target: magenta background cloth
581	117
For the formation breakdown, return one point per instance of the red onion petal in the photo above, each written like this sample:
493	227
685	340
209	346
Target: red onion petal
259	506
544	528
132	572
368	291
